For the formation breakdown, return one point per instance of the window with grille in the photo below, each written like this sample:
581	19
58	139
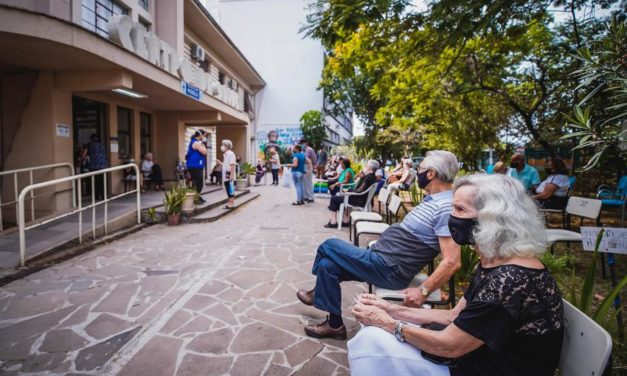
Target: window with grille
97	13
143	3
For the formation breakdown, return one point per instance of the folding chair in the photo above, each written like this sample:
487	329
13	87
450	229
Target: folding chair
345	205
586	346
578	206
615	197
359	216
571	180
376	228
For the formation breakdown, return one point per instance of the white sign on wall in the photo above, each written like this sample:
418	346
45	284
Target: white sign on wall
63	130
614	239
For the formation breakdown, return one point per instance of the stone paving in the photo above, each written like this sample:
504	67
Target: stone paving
198	299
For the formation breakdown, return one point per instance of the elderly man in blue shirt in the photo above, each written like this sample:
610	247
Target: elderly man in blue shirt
399	254
526	174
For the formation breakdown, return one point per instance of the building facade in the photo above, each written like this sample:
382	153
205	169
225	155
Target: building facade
140	74
267	31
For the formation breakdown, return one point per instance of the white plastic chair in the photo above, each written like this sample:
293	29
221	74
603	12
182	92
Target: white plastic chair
359	216
581	207
345	205
586	346
377	228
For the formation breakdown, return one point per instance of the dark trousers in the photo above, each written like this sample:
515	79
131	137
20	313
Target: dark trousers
218	177
275	176
98	186
197	178
338	261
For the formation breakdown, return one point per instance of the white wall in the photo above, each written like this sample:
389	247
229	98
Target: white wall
266	31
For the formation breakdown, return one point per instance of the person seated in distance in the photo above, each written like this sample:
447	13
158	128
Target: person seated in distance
399	254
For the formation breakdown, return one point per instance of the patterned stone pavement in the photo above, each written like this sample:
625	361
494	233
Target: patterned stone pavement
203	299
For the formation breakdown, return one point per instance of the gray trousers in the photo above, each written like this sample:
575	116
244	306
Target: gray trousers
308	185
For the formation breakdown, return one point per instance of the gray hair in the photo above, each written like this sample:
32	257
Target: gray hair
509	223
227	143
409	163
372	165
443	162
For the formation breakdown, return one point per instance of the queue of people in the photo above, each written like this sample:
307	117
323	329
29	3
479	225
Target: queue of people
511	312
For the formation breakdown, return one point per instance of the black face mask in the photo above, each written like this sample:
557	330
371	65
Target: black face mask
423	181
514	165
461	229
549	171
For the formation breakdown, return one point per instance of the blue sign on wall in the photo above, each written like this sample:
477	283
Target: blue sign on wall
190	90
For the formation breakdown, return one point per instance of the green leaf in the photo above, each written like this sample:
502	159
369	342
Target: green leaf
601	315
587	289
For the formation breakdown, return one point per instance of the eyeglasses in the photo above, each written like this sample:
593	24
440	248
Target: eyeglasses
421	170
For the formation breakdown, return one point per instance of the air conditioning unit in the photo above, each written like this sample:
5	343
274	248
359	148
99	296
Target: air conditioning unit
198	53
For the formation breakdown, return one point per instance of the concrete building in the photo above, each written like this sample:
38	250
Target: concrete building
267	31
141	74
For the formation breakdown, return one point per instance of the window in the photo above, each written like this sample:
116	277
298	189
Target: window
146	133
125	133
221	78
143	3
96	14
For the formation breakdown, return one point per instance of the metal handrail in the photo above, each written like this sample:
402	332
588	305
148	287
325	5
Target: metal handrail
32	196
21	220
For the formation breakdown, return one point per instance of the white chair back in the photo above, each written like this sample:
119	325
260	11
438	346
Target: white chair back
584	207
371	190
586	346
384	193
395	204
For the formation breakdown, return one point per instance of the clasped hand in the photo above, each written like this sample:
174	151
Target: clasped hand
371	310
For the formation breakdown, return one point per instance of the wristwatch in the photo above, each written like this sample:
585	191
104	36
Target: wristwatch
398	330
424	291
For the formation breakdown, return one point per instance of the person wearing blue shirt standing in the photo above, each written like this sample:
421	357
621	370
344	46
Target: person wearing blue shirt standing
526	174
196	153
298	171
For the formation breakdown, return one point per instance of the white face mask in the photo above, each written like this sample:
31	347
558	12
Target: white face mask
204	139
223	148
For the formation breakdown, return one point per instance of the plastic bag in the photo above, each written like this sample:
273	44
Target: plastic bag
287	177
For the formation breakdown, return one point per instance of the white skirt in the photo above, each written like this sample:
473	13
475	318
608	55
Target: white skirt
375	352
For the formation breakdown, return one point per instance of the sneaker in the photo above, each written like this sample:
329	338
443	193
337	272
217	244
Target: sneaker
325	330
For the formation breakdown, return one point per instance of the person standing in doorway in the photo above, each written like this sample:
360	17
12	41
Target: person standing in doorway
275	165
308	177
323	157
97	155
228	171
196	153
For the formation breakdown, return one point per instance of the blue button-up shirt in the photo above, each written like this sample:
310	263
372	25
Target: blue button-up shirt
528	176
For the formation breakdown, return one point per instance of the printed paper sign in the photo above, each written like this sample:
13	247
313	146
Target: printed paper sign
614	239
63	130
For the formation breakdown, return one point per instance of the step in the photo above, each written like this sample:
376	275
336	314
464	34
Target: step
219	212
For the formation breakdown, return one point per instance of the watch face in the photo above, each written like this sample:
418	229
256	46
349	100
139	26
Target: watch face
424	291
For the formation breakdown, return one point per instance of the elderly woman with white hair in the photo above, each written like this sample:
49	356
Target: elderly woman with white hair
407	178
509	321
367	180
228	172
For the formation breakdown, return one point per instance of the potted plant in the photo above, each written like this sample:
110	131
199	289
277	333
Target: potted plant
173	204
189	201
247	170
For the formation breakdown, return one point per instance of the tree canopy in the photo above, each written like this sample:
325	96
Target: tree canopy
457	75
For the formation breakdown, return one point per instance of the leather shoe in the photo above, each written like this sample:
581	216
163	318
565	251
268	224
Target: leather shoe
307	297
325	330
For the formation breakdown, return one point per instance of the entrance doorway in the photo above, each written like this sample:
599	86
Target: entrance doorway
88	118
